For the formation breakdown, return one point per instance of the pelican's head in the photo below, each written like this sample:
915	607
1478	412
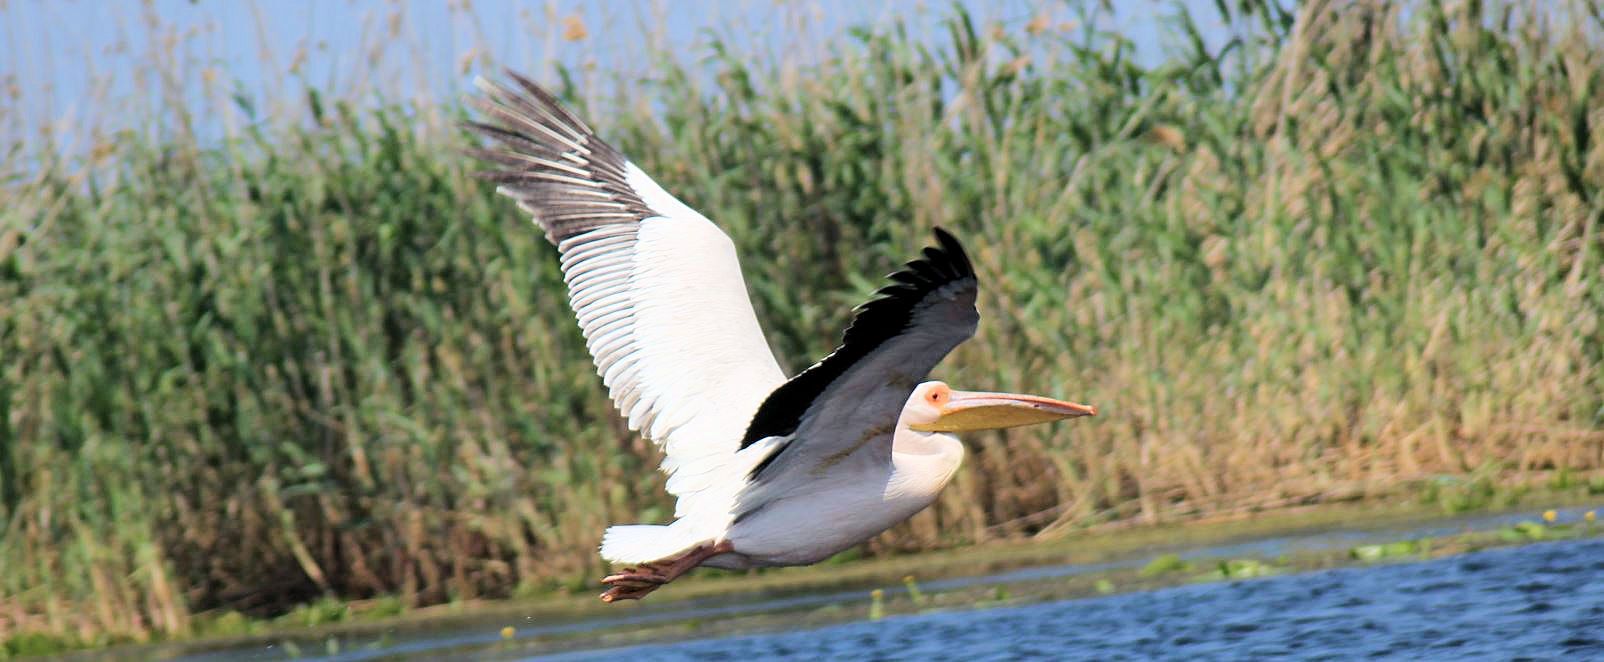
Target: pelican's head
936	407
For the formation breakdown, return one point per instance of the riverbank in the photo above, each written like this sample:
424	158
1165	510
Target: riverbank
711	603
910	596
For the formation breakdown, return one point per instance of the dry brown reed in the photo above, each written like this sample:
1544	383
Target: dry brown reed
1355	253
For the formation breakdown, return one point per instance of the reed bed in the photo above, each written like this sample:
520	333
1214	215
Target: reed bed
1355	253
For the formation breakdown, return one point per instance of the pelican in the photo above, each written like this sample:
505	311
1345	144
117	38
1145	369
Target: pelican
767	471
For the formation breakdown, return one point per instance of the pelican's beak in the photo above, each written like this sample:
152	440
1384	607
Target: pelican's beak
968	410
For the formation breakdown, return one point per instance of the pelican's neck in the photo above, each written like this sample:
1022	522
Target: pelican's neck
913	442
922	463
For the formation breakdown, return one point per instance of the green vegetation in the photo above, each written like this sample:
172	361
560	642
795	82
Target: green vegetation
914	593
1391	550
1164	564
1518	533
1355	252
1241	569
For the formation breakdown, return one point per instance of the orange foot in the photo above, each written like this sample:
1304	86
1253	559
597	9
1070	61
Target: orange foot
635	583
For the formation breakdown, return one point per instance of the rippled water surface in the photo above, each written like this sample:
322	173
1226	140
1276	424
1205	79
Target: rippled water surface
1542	601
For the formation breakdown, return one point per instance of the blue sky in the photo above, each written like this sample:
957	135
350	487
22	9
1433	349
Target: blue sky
81	63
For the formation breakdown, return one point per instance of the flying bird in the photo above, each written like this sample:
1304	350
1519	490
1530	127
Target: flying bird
768	471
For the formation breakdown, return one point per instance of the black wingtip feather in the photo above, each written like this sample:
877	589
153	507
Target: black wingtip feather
882	318
550	161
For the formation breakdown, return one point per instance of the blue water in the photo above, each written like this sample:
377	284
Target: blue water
1542	601
1529	602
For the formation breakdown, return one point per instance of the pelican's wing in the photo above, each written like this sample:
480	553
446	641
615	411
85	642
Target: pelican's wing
656	286
847	405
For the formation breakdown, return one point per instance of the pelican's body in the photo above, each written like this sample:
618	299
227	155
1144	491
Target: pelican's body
858	496
768	471
858	502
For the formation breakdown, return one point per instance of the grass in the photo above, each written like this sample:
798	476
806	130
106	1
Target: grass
1354	254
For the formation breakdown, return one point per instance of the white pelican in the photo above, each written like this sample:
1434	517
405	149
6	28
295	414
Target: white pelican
767	471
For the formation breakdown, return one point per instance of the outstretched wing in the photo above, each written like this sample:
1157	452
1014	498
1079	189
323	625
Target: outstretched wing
847	405
656	286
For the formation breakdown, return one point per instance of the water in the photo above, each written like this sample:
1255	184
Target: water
1538	601
1509	603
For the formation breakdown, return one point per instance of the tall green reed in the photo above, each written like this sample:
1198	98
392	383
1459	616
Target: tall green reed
1357	247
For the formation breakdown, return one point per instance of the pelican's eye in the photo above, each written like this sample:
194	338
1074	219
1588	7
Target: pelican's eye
936	396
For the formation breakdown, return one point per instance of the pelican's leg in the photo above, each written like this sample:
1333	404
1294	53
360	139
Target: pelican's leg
635	583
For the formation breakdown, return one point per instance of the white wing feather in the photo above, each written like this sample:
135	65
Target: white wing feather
656	287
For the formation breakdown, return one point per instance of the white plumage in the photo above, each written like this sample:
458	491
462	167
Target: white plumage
767	471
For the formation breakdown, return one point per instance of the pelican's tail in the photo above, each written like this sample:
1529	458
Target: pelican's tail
644	543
